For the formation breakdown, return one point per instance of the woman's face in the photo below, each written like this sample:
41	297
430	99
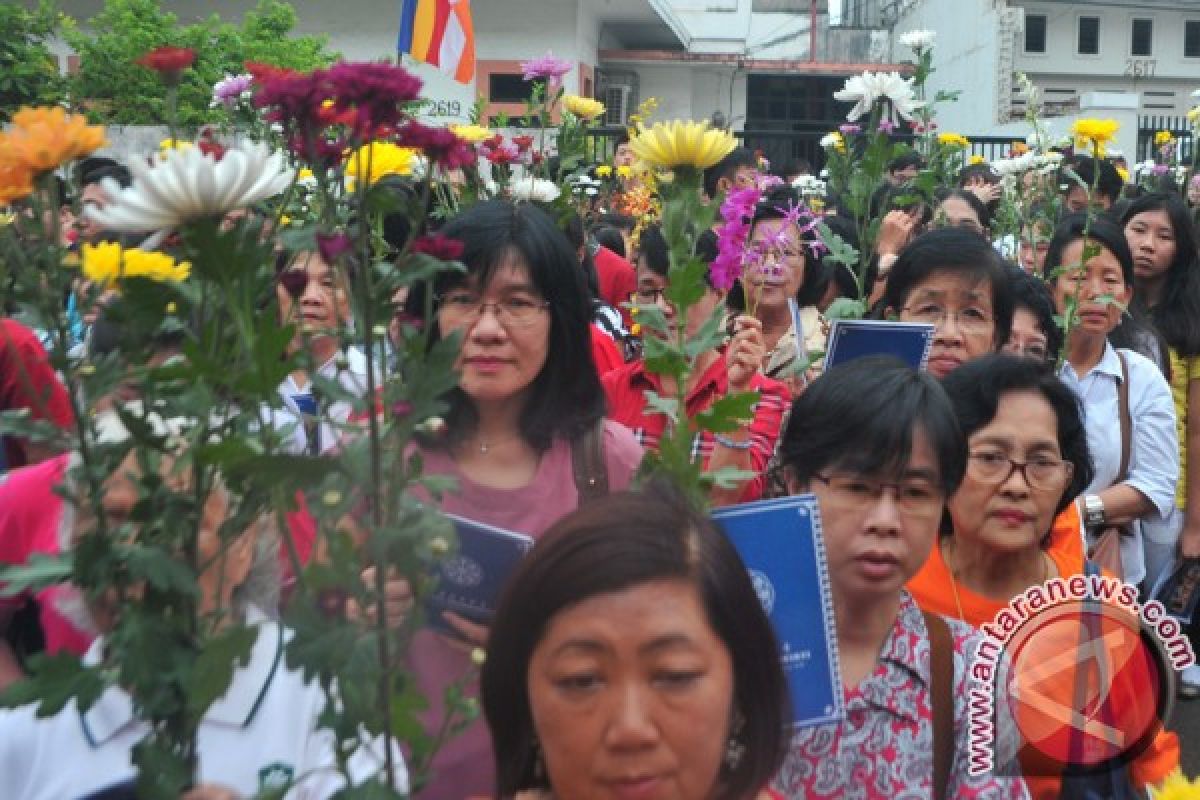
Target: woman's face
1152	241
311	295
1008	514
1026	337
960	308
506	333
631	695
954	212
1099	286
876	539
780	271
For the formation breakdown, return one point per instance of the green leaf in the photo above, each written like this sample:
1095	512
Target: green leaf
728	413
53	681
657	404
41	571
845	308
213	670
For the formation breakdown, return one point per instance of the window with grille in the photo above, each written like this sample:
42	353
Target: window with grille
1089	36
1035	33
1191	38
1143	37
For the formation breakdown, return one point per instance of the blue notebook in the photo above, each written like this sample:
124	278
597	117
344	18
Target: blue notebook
854	338
780	543
471	580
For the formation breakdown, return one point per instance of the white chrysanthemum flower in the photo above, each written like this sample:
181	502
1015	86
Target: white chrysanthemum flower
830	140
534	189
1196	94
809	186
182	185
869	88
1016	165
918	40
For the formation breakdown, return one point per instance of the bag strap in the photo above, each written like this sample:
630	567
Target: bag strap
588	465
941	695
1126	421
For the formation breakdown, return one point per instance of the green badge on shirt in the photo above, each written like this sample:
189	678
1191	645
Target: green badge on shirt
275	779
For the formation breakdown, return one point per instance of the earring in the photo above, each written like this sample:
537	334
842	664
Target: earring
735	748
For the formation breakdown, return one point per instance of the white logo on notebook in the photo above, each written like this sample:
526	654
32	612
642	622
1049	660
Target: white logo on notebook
463	571
764	590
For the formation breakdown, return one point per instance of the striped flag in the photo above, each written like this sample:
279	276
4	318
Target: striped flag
439	32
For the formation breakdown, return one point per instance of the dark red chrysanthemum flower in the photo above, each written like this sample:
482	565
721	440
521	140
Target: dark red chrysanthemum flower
523	143
375	92
168	59
439	145
437	246
332	245
262	72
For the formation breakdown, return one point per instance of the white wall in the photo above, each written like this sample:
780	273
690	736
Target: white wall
966	58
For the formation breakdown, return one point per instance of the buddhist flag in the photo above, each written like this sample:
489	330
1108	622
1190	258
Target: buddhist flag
439	32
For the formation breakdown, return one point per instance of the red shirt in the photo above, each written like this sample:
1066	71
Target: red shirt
617	279
28	381
626	389
605	352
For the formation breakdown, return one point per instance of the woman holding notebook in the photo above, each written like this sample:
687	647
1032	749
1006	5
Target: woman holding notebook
525	437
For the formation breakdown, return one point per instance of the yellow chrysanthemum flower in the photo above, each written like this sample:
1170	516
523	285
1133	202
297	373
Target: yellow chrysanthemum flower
1094	132
953	140
175	144
976	159
305	174
1193	115
46	138
1124	173
604	171
1163	137
681	144
624	171
583	107
107	263
1176	787
472	134
381	159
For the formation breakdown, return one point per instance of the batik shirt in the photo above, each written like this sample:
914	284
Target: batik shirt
884	746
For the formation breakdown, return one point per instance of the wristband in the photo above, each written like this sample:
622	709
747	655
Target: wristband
732	444
1093	511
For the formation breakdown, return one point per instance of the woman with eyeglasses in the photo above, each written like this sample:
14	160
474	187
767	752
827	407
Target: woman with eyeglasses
953	279
730	370
527	404
1027	460
1034	332
1095	278
877	444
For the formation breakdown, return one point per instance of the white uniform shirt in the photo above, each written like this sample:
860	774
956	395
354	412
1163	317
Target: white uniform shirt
262	729
1154	449
351	376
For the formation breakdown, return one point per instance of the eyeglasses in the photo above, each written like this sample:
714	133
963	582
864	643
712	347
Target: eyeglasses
648	297
969	320
1040	472
458	308
854	492
1035	350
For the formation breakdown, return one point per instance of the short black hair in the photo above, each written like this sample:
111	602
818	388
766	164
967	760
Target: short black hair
622	222
906	196
862	416
983	171
566	398
982	212
975	390
956	251
795	166
727	167
1110	182
654	252
97	168
610	545
822	271
1032	294
1101	230
909	158
610	238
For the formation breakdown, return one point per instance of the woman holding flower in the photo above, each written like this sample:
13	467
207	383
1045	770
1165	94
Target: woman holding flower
716	374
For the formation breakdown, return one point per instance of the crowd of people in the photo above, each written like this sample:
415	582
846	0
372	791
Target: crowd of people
630	655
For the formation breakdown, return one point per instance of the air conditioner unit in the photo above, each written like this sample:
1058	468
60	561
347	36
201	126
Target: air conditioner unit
616	104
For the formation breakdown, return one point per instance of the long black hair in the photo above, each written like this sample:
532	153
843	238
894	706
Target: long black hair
566	398
1176	317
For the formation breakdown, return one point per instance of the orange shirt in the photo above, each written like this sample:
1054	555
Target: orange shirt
933	588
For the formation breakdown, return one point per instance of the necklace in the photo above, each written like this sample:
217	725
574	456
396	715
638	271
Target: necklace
486	447
954	576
